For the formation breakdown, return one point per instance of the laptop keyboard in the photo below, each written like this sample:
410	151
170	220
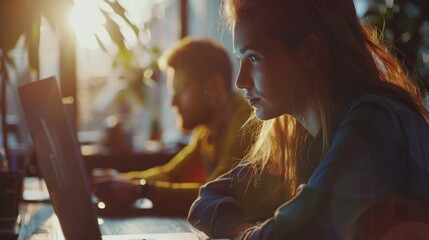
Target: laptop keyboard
38	222
142	225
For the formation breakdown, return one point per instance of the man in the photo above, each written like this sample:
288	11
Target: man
199	75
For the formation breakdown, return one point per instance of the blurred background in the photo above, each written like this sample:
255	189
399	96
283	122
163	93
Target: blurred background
104	55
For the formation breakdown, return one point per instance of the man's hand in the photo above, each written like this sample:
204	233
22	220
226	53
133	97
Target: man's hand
117	191
104	174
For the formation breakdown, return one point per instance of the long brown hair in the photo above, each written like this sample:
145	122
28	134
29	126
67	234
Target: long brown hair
355	62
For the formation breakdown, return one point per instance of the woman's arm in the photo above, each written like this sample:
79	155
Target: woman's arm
215	196
234	201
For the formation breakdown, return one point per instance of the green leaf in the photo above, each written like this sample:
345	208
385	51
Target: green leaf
119	10
100	43
113	30
33	45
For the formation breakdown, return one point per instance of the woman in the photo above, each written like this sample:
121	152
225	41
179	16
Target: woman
342	150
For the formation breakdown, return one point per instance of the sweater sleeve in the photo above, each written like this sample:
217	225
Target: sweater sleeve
185	166
234	199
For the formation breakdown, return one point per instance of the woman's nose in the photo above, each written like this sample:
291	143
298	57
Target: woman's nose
244	79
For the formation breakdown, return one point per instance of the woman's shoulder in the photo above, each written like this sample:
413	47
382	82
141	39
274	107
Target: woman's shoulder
381	105
380	100
383	112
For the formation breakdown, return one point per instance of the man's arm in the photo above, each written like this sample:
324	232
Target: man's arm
185	166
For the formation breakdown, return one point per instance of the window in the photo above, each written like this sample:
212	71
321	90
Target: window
109	92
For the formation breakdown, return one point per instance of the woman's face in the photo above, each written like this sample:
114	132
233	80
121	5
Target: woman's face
272	77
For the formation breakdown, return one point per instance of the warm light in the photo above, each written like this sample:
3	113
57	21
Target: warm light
405	37
87	150
148	73
87	20
142	182
68	100
425	57
112	121
101	205
100	221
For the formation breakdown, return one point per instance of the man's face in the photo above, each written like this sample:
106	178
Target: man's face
189	98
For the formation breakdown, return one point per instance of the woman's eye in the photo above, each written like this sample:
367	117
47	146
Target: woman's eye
254	58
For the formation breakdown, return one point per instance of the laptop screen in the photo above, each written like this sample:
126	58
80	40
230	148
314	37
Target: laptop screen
60	159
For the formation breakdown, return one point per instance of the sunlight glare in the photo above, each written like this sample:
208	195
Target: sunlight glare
87	20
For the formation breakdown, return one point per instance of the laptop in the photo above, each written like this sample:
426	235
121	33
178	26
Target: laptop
63	168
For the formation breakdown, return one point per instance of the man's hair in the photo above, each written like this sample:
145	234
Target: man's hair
199	58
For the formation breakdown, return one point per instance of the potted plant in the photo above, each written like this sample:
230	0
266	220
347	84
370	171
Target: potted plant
23	18
405	25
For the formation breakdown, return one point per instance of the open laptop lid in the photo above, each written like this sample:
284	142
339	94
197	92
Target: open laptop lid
60	159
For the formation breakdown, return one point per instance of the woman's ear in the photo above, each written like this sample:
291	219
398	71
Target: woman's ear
312	52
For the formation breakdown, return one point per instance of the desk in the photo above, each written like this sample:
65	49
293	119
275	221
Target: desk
37	222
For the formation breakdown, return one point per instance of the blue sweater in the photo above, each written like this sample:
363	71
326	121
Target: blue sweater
374	176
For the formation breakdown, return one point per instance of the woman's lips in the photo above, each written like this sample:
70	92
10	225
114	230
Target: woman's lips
252	101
